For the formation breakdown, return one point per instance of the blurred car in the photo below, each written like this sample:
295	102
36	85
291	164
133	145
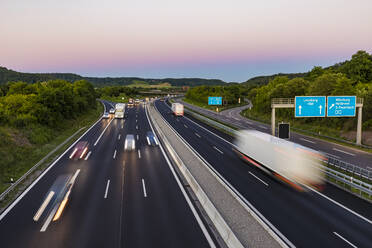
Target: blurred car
80	150
112	111
106	116
130	142
151	139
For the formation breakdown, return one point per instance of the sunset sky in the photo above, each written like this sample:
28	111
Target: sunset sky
232	40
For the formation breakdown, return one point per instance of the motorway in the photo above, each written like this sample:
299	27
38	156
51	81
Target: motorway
333	218
339	152
119	199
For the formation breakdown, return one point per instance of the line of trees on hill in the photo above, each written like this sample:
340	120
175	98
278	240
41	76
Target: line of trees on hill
353	77
230	94
47	103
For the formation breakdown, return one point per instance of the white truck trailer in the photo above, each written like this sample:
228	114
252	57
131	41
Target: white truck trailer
119	110
177	109
289	162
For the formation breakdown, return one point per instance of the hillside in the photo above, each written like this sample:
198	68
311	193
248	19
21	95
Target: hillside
7	75
262	80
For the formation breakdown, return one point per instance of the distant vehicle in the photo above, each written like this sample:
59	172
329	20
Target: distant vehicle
119	110
112	111
137	102
130	102
286	161
151	139
80	150
177	109
130	142
147	99
106	115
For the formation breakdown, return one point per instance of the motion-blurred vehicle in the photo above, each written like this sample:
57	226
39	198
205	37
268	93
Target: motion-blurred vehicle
130	143
119	110
130	102
289	162
151	139
112	111
80	150
106	115
177	109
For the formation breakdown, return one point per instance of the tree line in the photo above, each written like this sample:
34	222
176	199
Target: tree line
45	103
352	77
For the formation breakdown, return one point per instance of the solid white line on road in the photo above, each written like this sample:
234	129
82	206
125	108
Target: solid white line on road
197	217
86	158
119	136
107	187
310	141
349	153
103	132
139	154
218	150
114	155
259	179
351	244
197	135
144	188
185	125
261	126
340	205
137	137
43	206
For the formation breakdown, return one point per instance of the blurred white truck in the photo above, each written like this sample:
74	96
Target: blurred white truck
177	109
119	110
289	162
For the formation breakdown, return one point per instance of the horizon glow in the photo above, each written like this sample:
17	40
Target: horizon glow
229	40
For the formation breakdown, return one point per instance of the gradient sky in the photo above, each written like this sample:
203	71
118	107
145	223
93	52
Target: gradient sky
232	40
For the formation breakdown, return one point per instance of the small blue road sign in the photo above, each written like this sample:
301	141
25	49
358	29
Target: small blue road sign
310	106
214	100
341	106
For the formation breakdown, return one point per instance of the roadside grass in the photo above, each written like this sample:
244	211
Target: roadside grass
211	107
142	84
17	160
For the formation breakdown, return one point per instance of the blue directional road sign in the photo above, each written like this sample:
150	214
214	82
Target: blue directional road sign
212	100
341	106
310	106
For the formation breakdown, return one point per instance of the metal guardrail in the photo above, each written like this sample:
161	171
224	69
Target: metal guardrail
11	187
210	121
355	170
349	180
282	101
338	176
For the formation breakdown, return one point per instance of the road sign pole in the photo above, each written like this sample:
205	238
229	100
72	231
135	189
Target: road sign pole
273	121
359	127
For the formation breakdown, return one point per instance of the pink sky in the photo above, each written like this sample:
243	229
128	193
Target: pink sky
232	40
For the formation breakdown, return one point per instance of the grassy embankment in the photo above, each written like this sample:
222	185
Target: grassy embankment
18	155
211	107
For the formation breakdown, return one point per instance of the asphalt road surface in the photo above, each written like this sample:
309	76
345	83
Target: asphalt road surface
333	218
119	199
343	153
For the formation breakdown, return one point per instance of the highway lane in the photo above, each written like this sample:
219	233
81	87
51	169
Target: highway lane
347	154
307	220
97	212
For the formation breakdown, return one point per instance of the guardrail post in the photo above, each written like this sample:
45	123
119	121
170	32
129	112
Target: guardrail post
273	121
